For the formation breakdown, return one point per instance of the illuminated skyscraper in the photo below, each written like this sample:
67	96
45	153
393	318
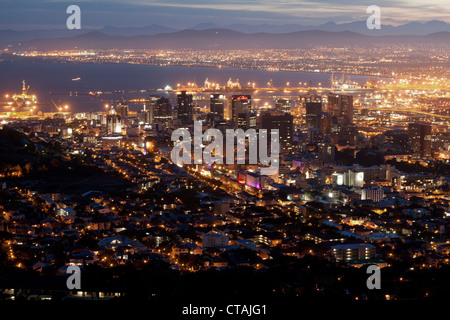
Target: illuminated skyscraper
341	107
216	106
326	152
315	136
283	105
185	108
420	139
122	109
146	115
246	120
114	123
325	122
313	112
240	104
162	111
284	123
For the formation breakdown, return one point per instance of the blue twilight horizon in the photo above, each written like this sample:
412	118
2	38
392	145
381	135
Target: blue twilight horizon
46	14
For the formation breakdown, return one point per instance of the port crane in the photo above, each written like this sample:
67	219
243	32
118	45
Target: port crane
25	102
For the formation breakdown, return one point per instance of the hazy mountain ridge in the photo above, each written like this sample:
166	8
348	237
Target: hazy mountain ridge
411	28
228	39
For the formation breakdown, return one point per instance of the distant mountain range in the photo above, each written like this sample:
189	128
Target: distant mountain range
12	35
137	31
412	28
228	39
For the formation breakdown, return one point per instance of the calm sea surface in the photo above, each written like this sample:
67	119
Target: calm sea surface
54	80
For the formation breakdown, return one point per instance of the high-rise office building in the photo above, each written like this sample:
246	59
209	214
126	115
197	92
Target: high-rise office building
314	136
114	123
217	106
283	105
246	120
420	139
240	104
341	107
344	134
185	108
313	113
149	109
148	117
161	111
326	152
112	110
284	123
145	116
122	109
325	122
396	137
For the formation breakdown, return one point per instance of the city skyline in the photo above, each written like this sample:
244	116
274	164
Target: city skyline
231	172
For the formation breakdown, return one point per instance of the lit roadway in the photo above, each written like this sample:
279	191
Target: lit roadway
406	110
202	90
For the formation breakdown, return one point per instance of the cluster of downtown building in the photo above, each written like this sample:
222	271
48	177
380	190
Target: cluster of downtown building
310	185
310	135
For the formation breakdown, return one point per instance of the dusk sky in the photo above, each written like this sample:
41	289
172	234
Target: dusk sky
39	14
